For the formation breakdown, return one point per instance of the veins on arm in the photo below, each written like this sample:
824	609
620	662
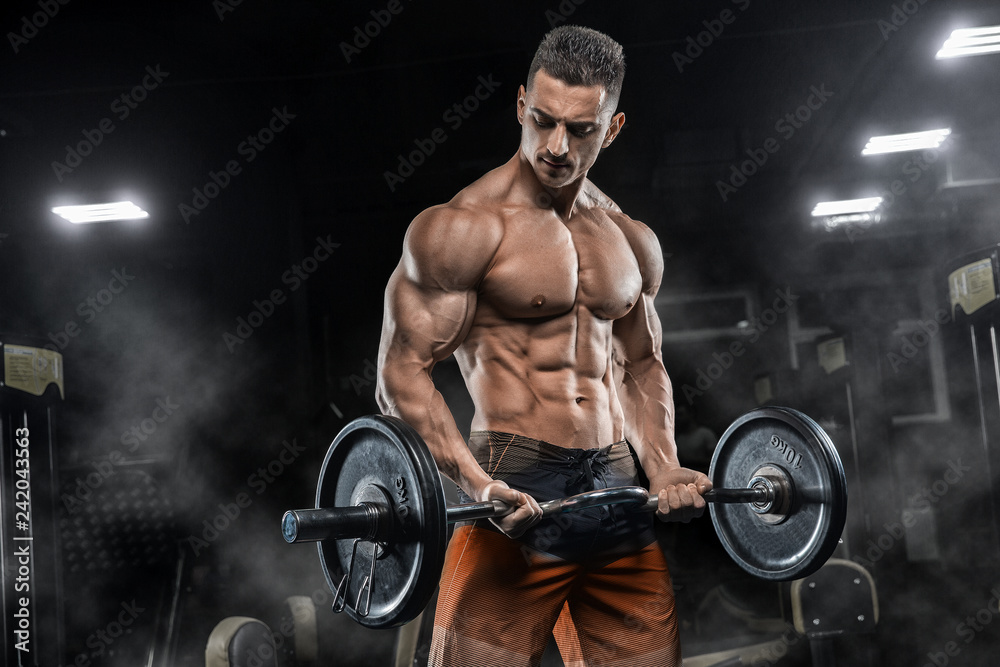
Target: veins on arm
645	389
430	303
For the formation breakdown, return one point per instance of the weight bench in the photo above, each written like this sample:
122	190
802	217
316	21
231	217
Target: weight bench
240	641
735	657
836	600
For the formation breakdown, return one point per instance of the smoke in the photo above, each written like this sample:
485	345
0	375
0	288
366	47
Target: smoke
154	396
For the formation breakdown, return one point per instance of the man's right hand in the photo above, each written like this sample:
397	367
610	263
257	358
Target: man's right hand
526	514
680	494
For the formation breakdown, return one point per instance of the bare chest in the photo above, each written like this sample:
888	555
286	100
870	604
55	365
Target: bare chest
544	268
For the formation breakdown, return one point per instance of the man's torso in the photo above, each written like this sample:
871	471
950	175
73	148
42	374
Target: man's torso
538	356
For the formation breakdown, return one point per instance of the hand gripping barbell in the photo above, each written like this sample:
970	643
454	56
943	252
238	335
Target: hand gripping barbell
779	510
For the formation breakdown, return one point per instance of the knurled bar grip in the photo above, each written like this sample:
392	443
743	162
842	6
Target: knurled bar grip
361	521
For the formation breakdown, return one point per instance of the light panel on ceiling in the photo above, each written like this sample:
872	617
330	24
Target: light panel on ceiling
971	42
912	141
87	213
846	206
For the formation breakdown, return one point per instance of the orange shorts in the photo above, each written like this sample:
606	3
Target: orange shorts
500	601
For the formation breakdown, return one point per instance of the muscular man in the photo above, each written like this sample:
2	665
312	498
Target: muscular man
543	289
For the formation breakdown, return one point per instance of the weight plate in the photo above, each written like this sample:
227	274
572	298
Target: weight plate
384	453
789	440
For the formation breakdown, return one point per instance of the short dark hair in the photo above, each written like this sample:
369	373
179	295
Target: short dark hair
581	57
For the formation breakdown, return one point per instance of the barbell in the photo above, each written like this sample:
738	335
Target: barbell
779	509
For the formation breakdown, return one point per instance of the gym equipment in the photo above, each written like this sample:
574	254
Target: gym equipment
779	510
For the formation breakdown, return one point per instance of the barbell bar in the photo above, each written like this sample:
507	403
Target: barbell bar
362	520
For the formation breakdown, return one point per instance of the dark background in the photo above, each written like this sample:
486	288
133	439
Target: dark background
306	370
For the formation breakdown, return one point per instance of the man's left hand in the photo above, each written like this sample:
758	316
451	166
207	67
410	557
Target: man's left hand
680	494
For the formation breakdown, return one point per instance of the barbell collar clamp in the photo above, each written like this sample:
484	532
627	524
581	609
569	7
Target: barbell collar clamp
776	482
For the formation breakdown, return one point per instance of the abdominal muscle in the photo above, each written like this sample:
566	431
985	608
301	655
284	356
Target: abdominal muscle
549	380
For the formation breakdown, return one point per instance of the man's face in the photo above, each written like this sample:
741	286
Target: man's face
564	127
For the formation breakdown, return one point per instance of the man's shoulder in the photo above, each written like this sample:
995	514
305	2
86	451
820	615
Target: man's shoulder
476	211
454	241
640	237
596	198
465	214
488	194
599	200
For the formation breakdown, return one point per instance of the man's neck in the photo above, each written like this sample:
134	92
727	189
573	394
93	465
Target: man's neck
563	201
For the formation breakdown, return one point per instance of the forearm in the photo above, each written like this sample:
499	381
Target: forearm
647	401
407	391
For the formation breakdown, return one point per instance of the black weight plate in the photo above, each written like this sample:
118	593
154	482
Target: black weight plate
789	440
387	453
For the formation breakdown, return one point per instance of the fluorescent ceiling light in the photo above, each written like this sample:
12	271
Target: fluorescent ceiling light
119	210
914	141
834	221
971	42
846	207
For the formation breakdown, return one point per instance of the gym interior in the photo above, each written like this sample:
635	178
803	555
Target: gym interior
175	379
